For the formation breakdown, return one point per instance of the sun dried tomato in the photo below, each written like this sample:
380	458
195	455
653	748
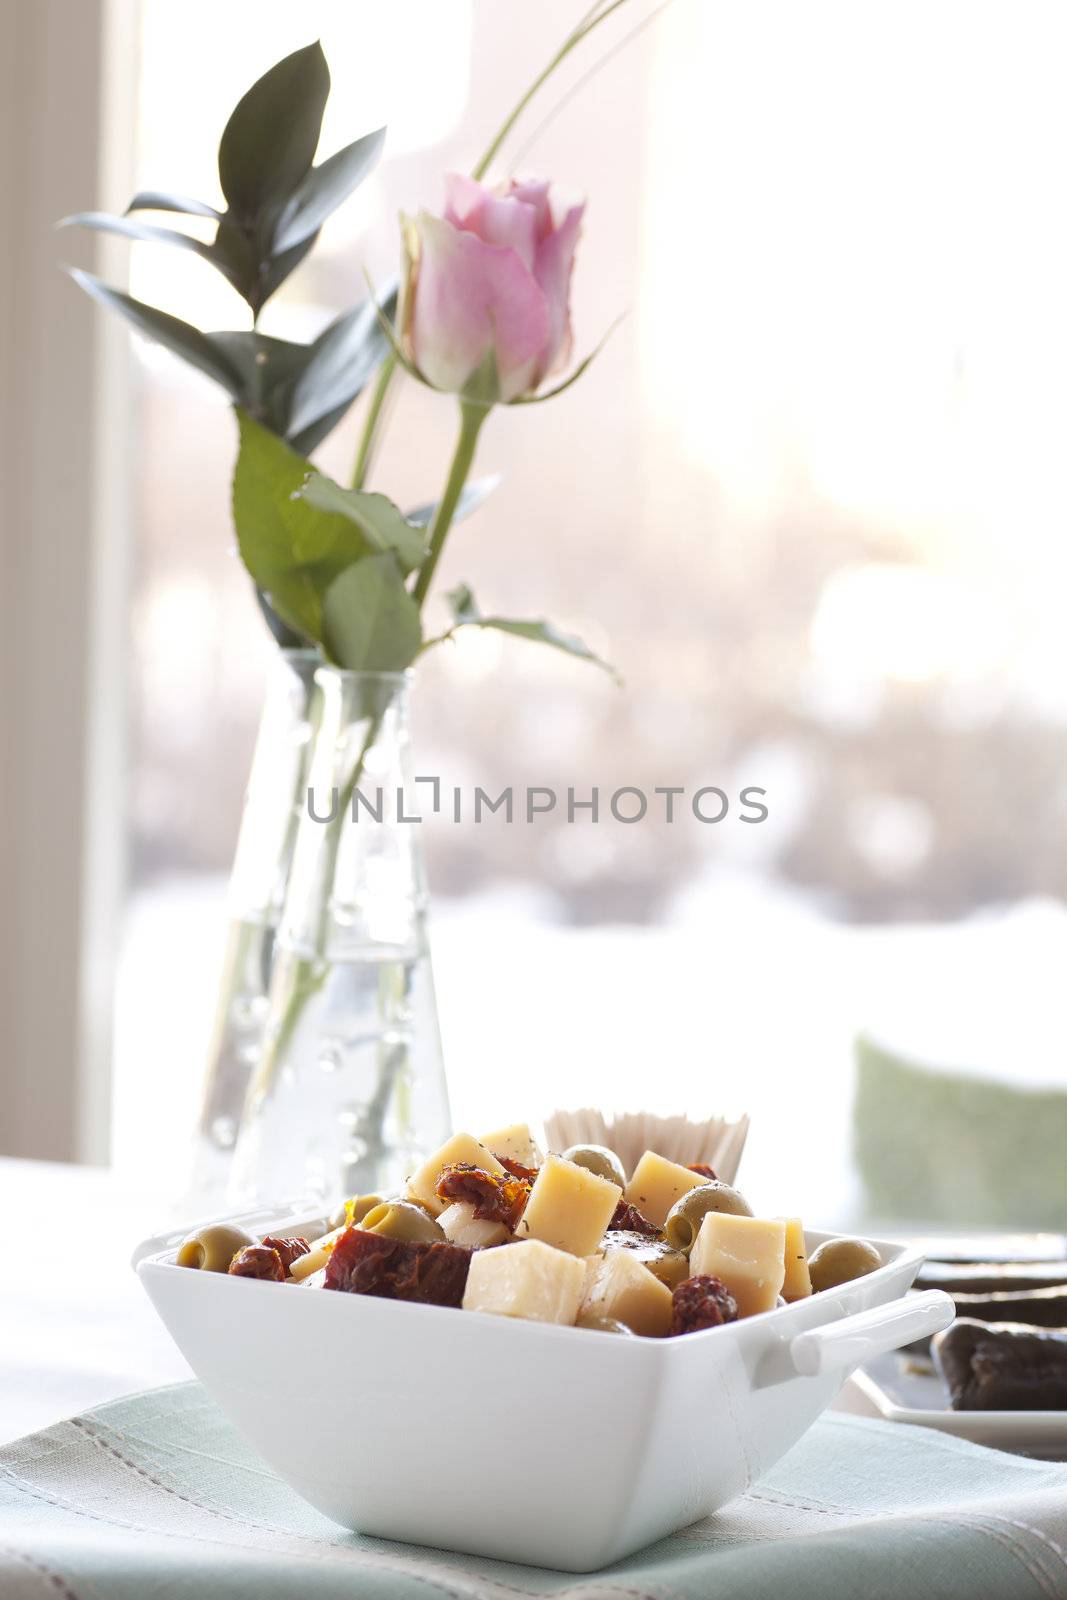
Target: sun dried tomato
494	1198
701	1302
258	1261
517	1169
702	1169
398	1269
290	1249
628	1219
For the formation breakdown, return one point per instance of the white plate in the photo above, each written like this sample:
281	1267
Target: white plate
903	1395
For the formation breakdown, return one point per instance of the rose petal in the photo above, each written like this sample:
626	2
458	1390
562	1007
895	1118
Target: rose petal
498	219
552	269
470	295
535	193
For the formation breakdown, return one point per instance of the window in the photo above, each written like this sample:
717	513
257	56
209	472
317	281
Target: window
808	499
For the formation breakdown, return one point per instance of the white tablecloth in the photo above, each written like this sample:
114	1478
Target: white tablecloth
76	1328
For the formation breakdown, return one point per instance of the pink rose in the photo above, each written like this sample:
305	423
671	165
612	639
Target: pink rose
494	271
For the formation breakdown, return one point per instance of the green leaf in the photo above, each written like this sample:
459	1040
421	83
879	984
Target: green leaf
269	142
325	187
231	252
199	349
341	360
472	496
293	550
285	638
103	222
237	256
263	483
371	622
467	615
254	273
377	518
463	605
267	367
277	270
310	438
159	200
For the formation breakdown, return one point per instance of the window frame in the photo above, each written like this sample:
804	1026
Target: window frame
66	137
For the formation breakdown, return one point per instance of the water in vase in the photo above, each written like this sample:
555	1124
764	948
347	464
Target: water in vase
350	1092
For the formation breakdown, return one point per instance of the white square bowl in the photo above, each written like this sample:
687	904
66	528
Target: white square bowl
559	1447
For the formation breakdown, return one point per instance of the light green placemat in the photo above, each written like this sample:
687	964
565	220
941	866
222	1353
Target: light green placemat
157	1496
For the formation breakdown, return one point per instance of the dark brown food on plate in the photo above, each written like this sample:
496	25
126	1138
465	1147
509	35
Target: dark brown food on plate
289	1250
1002	1366
628	1219
398	1269
1035	1308
704	1171
991	1277
1038	1308
258	1261
495	1199
701	1302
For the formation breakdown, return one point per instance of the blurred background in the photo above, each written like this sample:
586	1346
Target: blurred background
809	500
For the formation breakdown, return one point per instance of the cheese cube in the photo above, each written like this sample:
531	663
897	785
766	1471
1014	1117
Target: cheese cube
657	1183
461	1226
422	1185
669	1266
569	1207
797	1285
316	1257
528	1280
747	1253
516	1143
618	1286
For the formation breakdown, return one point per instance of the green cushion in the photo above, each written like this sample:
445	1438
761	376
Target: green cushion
945	1146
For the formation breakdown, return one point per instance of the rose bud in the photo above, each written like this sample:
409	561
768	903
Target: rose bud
492	274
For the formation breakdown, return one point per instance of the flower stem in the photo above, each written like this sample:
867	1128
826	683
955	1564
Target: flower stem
471	418
592	19
372	422
309	972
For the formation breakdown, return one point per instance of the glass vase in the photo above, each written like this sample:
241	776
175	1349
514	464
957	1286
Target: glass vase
349	1093
273	802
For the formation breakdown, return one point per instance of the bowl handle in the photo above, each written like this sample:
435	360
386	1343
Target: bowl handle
853	1340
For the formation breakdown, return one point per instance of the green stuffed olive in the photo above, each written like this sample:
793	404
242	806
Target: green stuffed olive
686	1215
606	1325
213	1248
599	1159
403	1219
840	1260
361	1204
